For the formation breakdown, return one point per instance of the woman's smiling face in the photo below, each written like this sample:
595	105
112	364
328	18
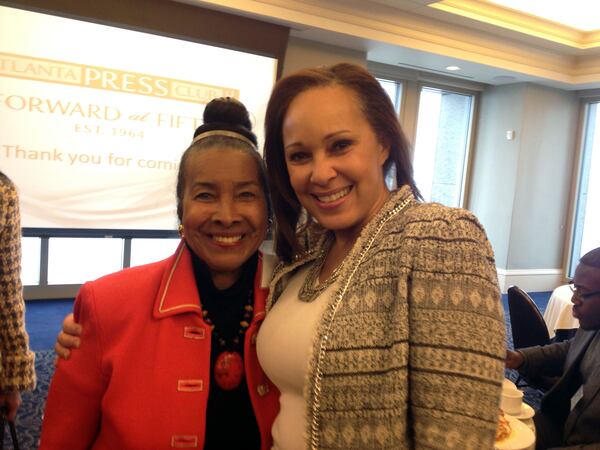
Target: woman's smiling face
334	159
224	211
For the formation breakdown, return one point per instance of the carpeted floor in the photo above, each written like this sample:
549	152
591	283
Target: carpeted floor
29	417
44	318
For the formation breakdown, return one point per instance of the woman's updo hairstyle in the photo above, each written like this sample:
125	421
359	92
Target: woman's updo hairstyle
227	125
226	113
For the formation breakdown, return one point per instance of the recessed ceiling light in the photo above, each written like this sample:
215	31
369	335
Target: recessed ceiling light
453	68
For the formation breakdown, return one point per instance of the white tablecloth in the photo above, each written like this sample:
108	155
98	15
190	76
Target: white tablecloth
558	314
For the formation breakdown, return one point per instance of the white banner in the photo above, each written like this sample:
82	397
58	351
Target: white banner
93	119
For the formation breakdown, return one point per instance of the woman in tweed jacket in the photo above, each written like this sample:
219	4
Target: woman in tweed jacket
384	327
17	372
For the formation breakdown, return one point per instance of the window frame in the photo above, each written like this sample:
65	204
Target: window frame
413	81
569	259
43	290
471	137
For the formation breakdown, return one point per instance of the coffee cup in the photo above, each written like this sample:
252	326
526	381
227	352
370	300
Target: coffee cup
512	401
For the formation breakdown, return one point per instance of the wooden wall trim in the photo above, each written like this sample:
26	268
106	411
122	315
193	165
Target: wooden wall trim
173	19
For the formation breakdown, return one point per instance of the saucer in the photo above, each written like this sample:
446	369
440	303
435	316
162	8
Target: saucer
521	437
527	412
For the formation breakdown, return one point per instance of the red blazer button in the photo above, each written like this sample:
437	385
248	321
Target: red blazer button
262	389
183	441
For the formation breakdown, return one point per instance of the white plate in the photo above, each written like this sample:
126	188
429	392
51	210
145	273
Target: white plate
521	437
527	412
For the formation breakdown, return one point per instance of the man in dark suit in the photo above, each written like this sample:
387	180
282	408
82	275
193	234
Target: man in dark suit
569	417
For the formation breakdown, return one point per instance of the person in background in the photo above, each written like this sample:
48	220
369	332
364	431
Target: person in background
569	415
167	356
384	328
17	369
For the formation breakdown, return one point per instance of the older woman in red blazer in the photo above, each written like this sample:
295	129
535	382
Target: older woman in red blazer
167	356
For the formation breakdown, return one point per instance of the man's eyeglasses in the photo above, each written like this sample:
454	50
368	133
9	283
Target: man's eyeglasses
578	294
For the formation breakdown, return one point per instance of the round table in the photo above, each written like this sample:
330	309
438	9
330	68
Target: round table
559	312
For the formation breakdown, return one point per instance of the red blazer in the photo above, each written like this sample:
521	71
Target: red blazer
140	379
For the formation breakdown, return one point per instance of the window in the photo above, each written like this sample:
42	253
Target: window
394	90
442	140
144	251
77	260
442	143
31	248
586	229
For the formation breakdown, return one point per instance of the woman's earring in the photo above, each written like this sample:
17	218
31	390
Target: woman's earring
180	230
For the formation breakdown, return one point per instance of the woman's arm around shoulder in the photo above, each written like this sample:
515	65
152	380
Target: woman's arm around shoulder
68	338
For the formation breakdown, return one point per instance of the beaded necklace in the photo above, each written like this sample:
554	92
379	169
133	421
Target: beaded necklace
232	312
229	365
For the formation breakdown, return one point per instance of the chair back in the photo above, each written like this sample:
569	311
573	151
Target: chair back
528	326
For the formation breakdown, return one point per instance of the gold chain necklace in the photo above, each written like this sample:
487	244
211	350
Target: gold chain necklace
315	405
311	288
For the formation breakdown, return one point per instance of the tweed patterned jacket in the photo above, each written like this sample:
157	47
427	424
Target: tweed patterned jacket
17	372
410	351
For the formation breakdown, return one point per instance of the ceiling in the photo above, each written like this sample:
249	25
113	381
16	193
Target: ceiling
490	44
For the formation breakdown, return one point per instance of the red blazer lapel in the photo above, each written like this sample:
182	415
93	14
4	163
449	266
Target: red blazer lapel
178	292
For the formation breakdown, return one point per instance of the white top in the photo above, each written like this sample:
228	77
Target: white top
284	346
559	312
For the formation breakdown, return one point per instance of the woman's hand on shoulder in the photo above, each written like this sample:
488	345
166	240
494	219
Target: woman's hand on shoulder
68	338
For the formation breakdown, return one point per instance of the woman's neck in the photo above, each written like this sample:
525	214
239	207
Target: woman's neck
345	239
336	254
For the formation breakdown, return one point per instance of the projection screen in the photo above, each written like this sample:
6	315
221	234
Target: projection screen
93	119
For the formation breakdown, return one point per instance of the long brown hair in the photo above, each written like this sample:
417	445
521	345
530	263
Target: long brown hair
379	112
